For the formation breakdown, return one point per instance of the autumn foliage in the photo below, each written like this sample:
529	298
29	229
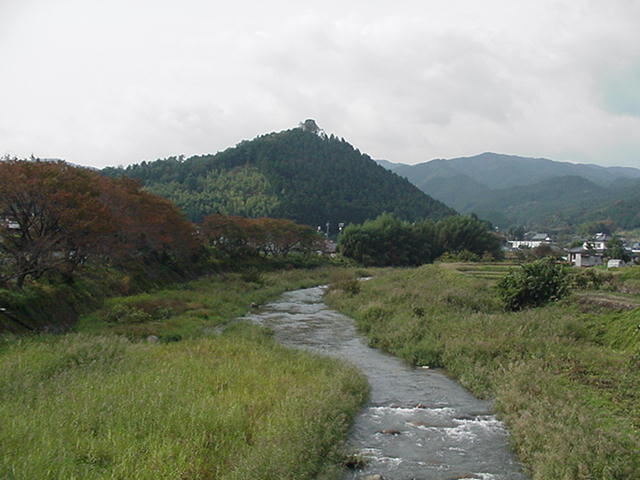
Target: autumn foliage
55	217
239	236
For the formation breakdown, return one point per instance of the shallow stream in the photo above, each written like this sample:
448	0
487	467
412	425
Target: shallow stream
418	423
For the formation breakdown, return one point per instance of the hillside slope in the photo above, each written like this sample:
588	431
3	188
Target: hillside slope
534	192
296	174
497	171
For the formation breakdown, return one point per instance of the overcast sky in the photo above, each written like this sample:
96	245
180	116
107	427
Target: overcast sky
116	82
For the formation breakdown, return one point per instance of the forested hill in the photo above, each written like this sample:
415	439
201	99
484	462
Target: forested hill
296	174
533	192
497	171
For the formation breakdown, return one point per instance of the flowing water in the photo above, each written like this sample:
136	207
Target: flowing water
418	423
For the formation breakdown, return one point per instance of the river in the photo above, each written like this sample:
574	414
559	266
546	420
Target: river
418	423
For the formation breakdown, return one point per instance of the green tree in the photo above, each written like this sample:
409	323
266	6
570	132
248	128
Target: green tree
458	233
615	249
516	232
385	241
533	284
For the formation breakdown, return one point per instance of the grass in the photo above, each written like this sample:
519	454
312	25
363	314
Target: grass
190	309
565	378
99	403
486	271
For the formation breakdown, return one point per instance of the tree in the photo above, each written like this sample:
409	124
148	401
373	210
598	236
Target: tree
52	218
615	249
516	232
386	241
533	285
459	233
239	236
148	227
544	250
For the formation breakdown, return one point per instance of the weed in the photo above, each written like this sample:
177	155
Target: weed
566	382
194	405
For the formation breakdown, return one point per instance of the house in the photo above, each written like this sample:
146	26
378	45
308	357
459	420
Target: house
581	257
615	263
598	242
531	240
329	247
11	224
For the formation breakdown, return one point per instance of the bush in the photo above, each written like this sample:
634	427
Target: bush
590	279
533	285
346	282
461	256
127	314
388	241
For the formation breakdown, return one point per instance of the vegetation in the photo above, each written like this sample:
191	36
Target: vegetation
297	174
387	241
70	237
564	376
534	284
189	309
238	236
615	249
102	404
538	193
149	388
55	218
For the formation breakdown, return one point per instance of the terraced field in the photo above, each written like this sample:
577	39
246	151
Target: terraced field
487	271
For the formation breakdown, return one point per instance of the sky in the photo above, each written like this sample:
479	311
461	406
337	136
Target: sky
117	82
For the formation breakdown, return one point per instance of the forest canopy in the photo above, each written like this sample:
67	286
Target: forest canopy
296	174
388	241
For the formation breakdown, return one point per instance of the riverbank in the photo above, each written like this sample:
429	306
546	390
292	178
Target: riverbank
418	423
156	386
565	377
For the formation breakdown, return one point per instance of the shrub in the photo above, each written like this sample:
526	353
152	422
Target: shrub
346	282
461	256
121	313
533	285
252	275
590	279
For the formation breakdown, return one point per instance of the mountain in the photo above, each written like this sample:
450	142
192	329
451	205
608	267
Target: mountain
298	174
622	206
534	192
503	171
552	202
389	165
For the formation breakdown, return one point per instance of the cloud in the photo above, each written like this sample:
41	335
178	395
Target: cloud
117	82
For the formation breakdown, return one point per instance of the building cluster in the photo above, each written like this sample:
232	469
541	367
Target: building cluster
592	252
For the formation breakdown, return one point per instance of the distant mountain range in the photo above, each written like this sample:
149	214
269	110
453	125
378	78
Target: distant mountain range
298	174
533	192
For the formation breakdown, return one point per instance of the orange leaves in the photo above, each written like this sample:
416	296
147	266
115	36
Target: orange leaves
250	236
54	216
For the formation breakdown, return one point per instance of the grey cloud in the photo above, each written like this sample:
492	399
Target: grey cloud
117	82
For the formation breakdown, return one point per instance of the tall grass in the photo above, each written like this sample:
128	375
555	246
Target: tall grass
193	308
82	407
235	405
566	381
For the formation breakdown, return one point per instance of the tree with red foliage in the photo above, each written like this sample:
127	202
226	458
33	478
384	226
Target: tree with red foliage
148	226
51	218
239	236
54	216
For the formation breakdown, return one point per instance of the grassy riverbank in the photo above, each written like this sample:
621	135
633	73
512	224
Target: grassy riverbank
566	377
103	403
